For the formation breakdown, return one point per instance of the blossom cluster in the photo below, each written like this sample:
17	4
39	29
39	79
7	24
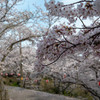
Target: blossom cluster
84	10
61	41
56	45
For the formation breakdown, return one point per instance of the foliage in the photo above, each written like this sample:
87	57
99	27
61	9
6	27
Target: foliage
11	81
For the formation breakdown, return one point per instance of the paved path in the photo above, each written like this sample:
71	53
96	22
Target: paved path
17	93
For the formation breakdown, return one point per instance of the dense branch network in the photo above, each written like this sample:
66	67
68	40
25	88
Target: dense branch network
61	40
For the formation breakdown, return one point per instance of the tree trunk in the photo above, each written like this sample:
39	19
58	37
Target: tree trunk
21	66
3	91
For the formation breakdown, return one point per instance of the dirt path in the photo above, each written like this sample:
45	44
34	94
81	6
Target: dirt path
17	93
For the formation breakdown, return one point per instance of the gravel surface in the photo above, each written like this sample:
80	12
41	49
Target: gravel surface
17	93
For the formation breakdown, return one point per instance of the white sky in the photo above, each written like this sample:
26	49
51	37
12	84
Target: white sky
68	1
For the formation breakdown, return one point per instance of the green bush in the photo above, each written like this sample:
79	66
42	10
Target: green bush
78	91
11	81
47	87
15	84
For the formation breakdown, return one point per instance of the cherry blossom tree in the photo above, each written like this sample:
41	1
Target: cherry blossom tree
20	28
12	61
10	20
86	73
14	22
69	40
